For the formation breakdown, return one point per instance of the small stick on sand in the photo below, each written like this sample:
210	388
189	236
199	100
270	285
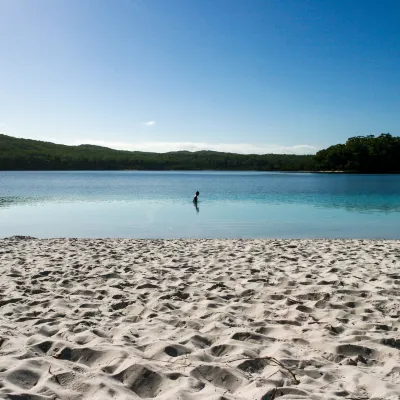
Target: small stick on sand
275	361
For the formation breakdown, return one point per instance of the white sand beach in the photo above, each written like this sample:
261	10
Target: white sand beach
199	319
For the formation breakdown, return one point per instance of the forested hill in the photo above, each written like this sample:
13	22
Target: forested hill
362	154
359	154
25	154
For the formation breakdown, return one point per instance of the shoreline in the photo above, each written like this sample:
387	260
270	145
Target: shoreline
199	318
18	238
207	170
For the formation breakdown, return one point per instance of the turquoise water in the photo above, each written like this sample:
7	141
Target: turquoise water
232	204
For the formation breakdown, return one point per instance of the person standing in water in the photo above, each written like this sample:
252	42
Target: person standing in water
195	200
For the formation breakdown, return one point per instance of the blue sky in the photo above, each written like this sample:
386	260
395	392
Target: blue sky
243	76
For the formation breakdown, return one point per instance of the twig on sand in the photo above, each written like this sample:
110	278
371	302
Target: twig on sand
184	363
274	361
266	358
270	376
55	376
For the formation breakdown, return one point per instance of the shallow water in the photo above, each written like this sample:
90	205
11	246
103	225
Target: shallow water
232	204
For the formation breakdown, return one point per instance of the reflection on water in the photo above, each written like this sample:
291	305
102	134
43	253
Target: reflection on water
18	200
157	204
361	205
364	207
10	201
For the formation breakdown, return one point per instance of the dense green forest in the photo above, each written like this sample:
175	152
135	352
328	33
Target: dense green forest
365	154
24	154
359	154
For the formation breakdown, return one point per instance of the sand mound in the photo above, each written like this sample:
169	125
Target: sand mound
199	319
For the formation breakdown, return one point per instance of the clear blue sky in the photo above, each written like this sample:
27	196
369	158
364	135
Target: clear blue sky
239	75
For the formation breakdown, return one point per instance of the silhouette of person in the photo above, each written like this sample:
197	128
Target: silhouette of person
195	201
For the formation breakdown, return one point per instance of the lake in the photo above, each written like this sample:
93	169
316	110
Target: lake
231	205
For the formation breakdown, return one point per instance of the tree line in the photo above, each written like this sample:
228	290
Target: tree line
365	154
26	154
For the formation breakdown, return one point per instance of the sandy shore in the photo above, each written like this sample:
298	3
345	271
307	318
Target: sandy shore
199	319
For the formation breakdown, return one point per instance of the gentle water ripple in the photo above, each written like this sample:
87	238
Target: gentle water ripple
158	204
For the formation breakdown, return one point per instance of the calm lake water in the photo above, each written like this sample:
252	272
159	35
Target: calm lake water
232	204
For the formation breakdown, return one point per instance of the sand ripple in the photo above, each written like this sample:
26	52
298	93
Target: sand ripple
199	319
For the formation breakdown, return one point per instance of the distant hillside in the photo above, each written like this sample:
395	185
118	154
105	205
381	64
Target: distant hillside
26	154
